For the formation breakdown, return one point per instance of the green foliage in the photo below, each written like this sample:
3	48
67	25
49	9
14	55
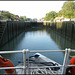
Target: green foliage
28	19
51	15
1	16
68	10
35	19
60	13
23	17
6	15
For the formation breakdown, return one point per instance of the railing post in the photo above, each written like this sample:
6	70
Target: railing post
24	60
27	51
67	52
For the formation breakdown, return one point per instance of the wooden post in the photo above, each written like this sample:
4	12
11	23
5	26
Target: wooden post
72	32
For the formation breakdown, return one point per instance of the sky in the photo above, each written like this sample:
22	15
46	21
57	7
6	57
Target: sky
31	9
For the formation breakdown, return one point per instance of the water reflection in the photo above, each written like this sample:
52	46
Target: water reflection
61	41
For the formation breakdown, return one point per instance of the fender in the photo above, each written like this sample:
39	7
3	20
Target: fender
72	62
6	63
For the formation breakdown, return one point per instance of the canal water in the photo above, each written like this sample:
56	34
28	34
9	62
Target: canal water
37	39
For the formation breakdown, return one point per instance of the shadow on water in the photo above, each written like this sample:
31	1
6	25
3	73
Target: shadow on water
38	39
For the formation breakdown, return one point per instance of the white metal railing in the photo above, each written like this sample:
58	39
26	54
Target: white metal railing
24	59
26	51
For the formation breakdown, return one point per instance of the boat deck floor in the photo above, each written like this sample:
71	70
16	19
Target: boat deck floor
36	69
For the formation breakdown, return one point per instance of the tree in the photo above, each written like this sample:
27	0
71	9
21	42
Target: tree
28	19
8	15
23	17
51	15
35	19
60	13
68	9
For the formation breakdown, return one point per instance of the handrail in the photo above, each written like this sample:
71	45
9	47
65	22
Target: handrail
24	51
9	52
11	68
72	50
48	51
20	51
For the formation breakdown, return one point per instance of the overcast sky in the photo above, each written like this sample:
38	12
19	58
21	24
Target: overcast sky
31	9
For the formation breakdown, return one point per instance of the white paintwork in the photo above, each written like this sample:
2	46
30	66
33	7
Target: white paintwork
43	58
36	68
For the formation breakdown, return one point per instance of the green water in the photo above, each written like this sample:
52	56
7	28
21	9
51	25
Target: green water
37	39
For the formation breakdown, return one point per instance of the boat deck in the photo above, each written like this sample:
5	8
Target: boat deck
35	68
